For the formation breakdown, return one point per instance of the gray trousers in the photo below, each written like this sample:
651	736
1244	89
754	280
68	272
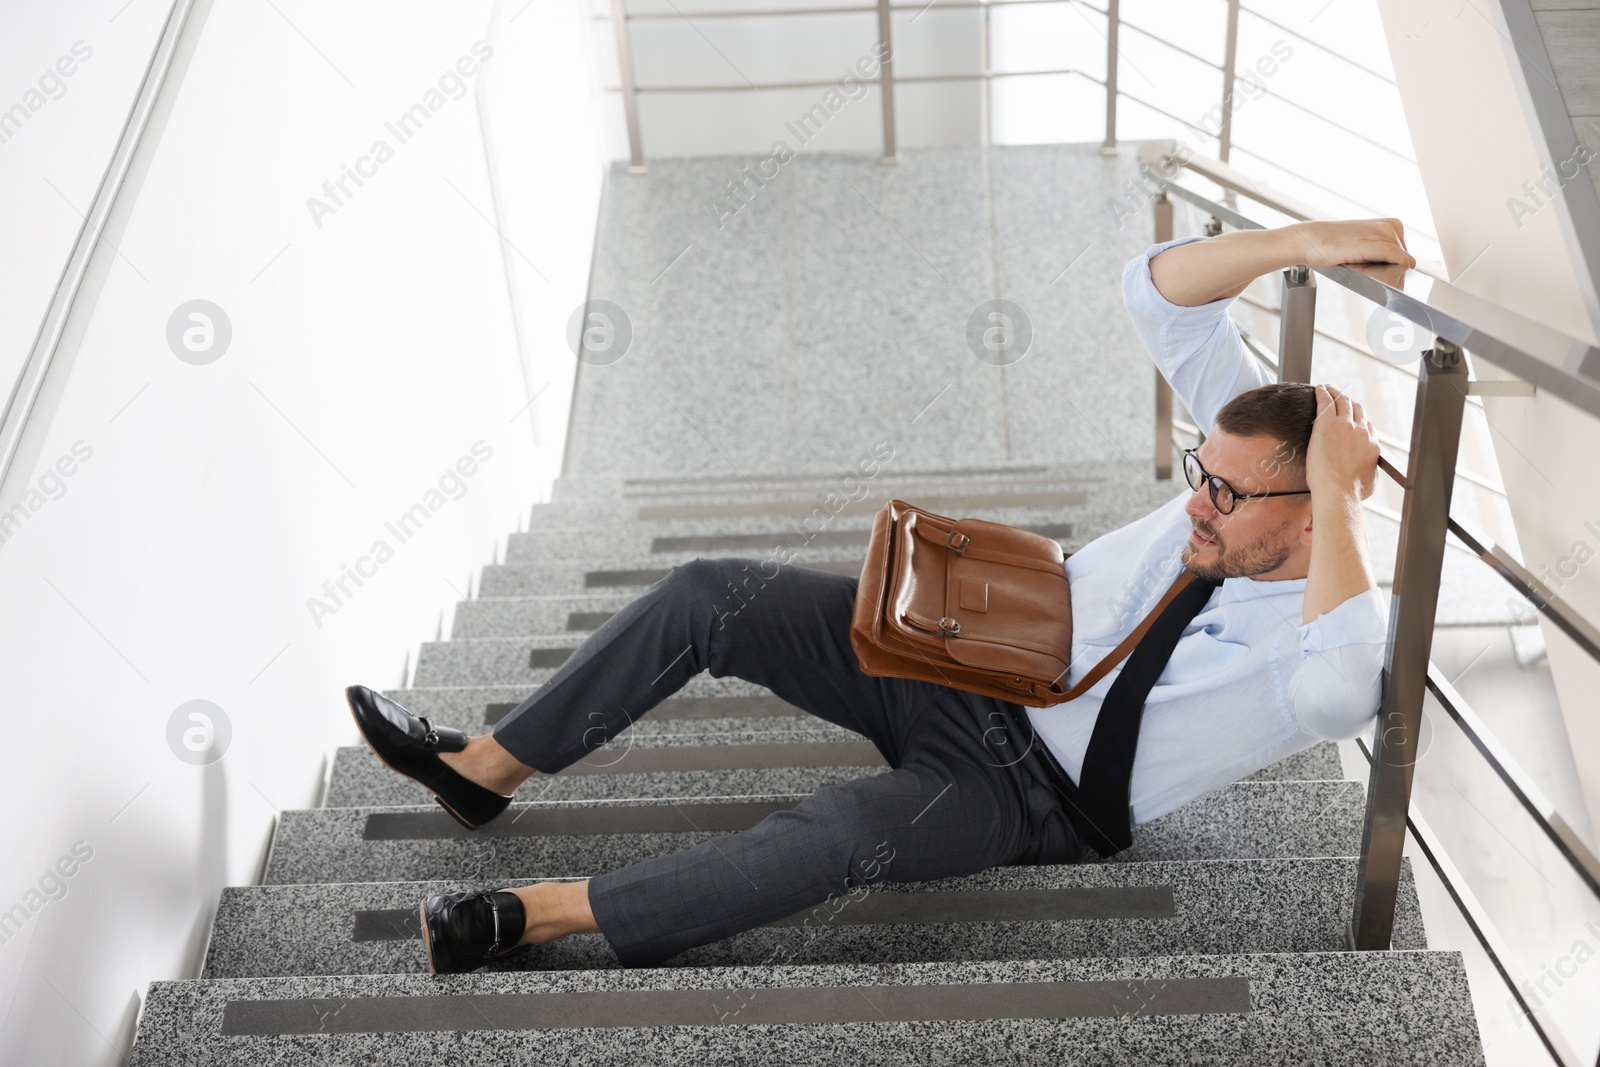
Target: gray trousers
966	791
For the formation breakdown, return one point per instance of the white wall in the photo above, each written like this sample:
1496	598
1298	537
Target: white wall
209	502
68	80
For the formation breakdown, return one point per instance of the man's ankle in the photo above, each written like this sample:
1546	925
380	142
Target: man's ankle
552	910
485	762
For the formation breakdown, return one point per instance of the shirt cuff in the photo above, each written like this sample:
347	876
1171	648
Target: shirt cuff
1145	299
1361	620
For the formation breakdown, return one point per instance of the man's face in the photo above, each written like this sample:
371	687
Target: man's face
1259	536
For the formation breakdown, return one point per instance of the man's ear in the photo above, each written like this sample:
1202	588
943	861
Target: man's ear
1305	531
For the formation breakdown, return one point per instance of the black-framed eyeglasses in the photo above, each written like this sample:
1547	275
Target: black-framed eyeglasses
1224	497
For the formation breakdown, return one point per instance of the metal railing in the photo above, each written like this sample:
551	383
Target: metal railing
884	10
1542	359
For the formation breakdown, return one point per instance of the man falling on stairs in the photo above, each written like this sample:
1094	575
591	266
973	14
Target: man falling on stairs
1286	651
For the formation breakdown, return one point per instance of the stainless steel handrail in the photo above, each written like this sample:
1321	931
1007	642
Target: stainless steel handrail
621	18
1478	921
25	391
1537	354
1408	303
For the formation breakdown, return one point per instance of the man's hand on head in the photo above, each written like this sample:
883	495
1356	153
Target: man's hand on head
1343	454
1354	241
1341	466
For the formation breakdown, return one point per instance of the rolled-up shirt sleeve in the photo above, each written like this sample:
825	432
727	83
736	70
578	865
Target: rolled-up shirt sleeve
1197	349
1331	668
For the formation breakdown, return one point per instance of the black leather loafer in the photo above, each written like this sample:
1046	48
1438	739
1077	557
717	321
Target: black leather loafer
411	745
463	931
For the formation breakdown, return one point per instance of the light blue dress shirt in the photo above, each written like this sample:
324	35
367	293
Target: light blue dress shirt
1248	683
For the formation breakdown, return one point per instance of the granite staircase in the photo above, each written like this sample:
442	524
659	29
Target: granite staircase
1216	939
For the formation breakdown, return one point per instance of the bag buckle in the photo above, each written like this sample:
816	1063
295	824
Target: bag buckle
950	541
950	626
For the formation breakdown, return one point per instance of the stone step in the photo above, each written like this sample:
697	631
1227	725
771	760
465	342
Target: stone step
1046	912
531	616
584	542
793	765
1337	1008
705	764
825	486
523	661
544	839
732	702
629	575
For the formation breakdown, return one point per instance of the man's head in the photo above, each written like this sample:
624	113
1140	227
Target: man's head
1258	445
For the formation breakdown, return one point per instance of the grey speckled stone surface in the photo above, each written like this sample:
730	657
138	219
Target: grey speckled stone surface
823	504
360	780
1220	906
464	706
511	617
1242	821
829	315
1356	1009
914	244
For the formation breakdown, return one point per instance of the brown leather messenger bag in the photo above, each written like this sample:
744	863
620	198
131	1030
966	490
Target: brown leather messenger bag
975	605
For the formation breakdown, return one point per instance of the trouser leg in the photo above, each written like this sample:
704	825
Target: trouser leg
911	824
784	627
965	799
961	798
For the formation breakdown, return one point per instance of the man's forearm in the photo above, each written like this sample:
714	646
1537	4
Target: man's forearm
1203	271
1339	568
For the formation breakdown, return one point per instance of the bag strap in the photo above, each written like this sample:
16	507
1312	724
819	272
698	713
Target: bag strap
1121	652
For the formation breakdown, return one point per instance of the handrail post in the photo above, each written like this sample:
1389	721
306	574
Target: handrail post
1108	147
1230	59
891	150
1424	517
1163	442
630	98
1297	321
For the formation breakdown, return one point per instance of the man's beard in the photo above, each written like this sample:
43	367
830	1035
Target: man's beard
1257	557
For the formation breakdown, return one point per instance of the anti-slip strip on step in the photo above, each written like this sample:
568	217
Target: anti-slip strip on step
943	504
831	478
901	909
762	755
652	575
675	817
690	708
818	539
767	1006
587	620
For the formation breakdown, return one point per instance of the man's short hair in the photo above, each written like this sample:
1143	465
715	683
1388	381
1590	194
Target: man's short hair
1283	411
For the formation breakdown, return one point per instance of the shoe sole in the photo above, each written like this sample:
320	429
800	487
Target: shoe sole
441	801
427	938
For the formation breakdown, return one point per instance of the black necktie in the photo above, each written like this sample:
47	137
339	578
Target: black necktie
1099	810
